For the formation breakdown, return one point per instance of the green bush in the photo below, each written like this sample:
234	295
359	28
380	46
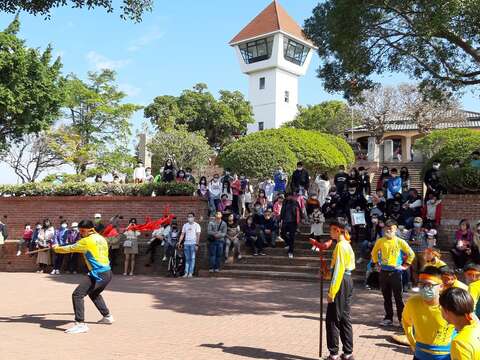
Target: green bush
261	159
259	154
451	146
97	189
464	180
65	177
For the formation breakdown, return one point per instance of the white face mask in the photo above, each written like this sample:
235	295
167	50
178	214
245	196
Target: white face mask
191	219
75	228
436	167
64	226
38	227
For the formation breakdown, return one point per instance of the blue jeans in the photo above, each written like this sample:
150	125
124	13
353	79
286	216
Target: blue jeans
215	252
189	251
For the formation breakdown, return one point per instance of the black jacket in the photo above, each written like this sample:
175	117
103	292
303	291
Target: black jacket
341	180
300	178
290	211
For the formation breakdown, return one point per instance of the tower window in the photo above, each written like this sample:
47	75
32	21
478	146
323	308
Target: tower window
260	126
258	50
287	96
262	83
294	51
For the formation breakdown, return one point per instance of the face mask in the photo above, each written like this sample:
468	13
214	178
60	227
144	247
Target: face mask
97	220
389	234
38	227
299	169
385	171
148	172
417	225
75	229
64	226
436	167
351	192
374	221
257	208
427	293
215	179
27	228
190	219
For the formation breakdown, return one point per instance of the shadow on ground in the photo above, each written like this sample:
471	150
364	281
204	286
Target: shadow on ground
254	353
226	297
40	319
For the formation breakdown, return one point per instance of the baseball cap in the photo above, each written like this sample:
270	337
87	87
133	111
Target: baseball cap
97	216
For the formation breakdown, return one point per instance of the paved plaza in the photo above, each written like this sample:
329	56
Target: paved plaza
158	318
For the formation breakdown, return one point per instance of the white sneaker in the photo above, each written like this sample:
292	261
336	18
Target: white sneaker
57	272
78	328
314	248
124	274
53	272
290	256
190	275
386	322
163	243
19	253
164	258
106	320
359	261
239	257
185	275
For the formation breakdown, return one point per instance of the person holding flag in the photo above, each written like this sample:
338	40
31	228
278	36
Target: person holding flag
338	321
428	333
94	248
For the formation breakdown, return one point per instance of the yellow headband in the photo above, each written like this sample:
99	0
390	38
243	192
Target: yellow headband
432	278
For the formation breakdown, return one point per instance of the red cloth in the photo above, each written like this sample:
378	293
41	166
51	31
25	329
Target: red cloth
152	225
110	231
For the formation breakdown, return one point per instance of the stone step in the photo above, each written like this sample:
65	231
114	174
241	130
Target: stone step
263	275
268	267
280	260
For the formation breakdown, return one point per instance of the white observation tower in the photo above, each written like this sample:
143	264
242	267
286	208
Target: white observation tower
273	51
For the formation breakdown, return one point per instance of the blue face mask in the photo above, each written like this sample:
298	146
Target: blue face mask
428	294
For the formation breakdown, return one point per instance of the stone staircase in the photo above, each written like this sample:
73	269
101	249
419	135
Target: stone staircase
277	266
414	169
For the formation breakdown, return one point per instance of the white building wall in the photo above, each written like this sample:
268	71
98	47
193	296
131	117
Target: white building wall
286	111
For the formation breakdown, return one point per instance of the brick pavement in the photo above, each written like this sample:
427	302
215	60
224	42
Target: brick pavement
182	319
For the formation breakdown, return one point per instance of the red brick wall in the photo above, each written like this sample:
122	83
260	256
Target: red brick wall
75	208
456	208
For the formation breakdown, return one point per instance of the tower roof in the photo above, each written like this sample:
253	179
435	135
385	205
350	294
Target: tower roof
272	19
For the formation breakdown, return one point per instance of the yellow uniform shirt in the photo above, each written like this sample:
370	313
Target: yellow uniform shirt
460	285
466	345
428	333
436	263
389	253
474	290
343	260
95	251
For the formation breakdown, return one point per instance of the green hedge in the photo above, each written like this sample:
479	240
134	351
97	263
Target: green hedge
98	189
450	146
259	154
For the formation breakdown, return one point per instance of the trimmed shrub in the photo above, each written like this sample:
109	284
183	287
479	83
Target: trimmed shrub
449	147
98	189
318	151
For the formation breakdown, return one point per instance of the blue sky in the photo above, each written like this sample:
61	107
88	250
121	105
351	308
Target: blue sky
180	43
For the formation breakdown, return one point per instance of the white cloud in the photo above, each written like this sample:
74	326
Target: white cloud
129	89
99	61
149	37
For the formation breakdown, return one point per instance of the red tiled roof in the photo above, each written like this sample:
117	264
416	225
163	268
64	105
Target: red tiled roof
273	18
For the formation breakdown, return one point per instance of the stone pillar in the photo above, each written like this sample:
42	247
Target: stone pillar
388	150
143	152
373	150
408	148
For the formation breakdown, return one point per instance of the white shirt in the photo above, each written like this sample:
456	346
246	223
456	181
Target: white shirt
268	188
191	231
215	188
139	173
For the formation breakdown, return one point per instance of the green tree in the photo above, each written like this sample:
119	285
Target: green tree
200	111
186	148
97	132
30	87
333	117
319	152
435	41
131	9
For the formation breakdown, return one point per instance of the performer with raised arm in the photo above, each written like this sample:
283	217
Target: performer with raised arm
339	323
94	248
